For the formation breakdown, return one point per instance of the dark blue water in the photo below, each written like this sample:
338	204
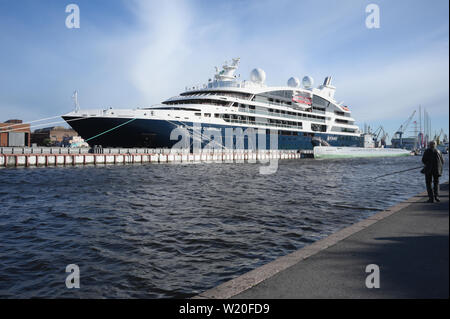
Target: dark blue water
152	231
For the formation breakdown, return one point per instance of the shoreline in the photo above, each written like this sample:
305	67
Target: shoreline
259	278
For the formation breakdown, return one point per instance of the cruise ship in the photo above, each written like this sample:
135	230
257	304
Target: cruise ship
301	115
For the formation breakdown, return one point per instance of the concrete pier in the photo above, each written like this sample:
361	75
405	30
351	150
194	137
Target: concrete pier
409	243
15	157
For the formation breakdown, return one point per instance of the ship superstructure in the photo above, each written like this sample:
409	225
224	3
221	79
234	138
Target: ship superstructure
297	112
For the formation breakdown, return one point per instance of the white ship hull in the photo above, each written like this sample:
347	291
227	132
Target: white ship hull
326	152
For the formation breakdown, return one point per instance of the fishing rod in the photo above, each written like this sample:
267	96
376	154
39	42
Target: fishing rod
406	170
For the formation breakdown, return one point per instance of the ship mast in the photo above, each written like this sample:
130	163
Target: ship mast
75	101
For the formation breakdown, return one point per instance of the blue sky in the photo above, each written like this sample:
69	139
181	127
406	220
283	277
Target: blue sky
131	53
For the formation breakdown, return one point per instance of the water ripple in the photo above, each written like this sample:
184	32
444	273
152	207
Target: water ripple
172	231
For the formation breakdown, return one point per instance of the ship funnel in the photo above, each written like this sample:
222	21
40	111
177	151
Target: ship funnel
327	81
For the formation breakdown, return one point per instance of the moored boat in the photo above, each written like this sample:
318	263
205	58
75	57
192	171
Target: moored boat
296	113
327	152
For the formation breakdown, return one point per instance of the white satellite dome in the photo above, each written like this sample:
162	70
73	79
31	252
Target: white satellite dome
293	82
258	76
307	82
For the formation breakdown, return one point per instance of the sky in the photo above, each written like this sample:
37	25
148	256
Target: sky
135	53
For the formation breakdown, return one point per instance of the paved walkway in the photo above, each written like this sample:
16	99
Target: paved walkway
409	243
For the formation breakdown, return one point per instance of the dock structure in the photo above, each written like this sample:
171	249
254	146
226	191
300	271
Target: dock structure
408	243
59	156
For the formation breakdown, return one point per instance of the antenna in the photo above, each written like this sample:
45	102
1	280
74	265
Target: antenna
420	118
75	101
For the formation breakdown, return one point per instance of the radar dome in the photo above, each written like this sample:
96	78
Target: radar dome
307	82
258	76
293	82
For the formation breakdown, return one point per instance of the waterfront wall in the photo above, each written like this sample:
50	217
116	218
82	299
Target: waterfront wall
70	157
66	150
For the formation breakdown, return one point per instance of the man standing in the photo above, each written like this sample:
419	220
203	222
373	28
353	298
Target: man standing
434	162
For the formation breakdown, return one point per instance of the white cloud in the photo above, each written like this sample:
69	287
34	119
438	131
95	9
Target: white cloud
161	49
379	91
173	44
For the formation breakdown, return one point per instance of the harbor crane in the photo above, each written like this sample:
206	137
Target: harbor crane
437	137
402	128
380	131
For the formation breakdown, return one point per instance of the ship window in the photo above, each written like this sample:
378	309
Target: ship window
318	128
207	114
320	109
198	114
318	101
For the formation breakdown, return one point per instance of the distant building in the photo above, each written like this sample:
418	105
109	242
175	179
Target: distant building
408	143
55	135
15	133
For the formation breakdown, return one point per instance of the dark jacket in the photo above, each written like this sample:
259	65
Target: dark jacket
433	160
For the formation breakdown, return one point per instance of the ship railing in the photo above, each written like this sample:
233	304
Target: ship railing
318	111
263	124
281	115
